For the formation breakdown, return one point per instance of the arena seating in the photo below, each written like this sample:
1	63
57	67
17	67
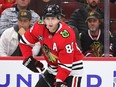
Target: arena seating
113	27
69	7
113	12
113	17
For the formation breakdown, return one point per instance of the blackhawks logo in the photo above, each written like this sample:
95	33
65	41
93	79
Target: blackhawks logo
40	22
65	33
97	48
52	58
23	13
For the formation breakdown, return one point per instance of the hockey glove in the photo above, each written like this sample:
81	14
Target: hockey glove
60	84
33	64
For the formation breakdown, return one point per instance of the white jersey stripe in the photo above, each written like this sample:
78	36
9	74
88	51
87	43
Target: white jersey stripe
23	37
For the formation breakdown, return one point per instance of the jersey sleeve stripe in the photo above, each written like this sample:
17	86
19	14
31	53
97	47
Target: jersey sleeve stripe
24	41
66	66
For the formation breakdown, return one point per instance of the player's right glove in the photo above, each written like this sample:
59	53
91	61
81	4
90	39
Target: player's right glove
60	84
33	64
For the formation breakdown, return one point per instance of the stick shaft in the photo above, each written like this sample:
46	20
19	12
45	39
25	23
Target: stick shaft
44	77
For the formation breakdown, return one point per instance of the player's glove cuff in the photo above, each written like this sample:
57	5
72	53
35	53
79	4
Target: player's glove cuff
60	84
33	64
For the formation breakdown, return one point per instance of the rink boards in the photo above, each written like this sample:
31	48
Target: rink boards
98	72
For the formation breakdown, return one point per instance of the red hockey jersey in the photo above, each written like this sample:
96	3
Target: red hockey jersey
60	49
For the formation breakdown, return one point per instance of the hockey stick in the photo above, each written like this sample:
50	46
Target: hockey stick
44	77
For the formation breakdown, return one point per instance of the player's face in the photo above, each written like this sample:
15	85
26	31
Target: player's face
51	23
24	23
93	3
93	24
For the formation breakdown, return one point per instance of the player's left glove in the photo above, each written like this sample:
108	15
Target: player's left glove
60	84
33	64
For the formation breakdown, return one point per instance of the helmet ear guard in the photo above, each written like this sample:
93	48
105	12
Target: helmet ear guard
52	11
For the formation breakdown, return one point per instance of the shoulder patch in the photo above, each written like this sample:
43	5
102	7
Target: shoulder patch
40	22
65	33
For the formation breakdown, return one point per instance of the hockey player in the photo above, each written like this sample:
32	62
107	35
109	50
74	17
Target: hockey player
60	50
